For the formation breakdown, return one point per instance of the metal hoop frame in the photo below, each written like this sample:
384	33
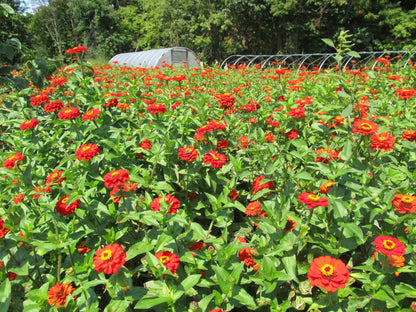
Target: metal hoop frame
316	60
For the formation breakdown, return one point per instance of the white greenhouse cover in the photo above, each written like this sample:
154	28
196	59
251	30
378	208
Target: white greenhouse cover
158	57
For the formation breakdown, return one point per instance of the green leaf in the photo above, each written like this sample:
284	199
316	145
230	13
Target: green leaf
190	282
346	150
5	295
353	230
290	265
340	211
353	54
328	42
243	297
347	110
117	305
407	289
204	302
148	303
223	279
138	249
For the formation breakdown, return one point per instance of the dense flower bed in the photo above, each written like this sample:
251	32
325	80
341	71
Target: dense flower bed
176	189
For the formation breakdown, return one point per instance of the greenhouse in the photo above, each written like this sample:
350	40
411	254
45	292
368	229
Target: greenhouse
152	58
321	60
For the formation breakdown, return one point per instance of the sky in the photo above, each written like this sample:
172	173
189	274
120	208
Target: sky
30	5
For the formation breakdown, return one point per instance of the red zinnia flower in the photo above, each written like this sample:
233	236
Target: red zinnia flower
221	144
253	208
404	203
179	77
409	135
116	178
364	126
215	159
53	106
382	141
197	246
87	151
11	276
76	50
325	188
269	137
313	200
290	225
405	94
12	160
109	259
145	144
169	260
18	198
58	293
225	100
292	134
258	185
69	113
396	261
389	246
244	141
297	112
328	273
91	114
3	230
188	154
58	82
41	189
55	177
329	153
245	255
63	208
41	98
172	202
233	194
111	103
29	124
156	108
82	249
130	187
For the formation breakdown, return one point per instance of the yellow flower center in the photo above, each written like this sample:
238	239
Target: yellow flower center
164	259
366	126
388	244
214	157
327	270
382	138
86	148
313	197
11	157
407	199
106	255
28	122
90	112
65	200
188	150
68	111
54	175
114	173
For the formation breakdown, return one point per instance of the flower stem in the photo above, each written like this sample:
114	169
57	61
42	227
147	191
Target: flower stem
332	298
58	267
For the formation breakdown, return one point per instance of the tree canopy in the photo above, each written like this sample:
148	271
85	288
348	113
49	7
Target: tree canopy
211	28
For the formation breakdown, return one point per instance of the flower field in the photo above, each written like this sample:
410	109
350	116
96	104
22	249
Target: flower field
205	189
